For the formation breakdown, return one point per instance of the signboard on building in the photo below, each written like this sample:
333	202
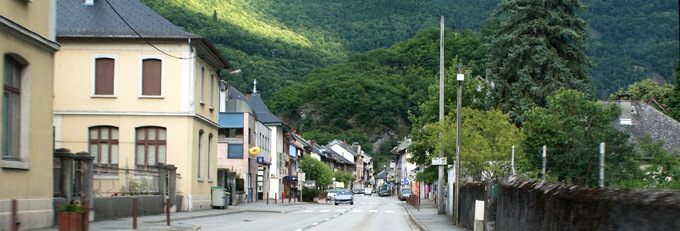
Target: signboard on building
438	160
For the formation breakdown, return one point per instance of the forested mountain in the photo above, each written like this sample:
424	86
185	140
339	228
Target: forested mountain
351	77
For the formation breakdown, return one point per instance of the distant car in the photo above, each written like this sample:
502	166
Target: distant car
343	196
331	194
404	193
368	191
357	191
384	192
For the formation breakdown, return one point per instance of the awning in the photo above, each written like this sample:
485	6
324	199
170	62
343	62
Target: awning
290	178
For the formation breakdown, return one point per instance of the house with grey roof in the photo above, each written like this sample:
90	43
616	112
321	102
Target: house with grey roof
640	119
137	92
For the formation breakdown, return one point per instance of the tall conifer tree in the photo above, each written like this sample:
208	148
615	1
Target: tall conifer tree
539	48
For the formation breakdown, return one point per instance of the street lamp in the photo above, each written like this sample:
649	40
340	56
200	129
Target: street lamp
460	78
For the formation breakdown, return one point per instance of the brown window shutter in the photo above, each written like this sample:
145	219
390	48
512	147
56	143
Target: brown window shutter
104	76
151	77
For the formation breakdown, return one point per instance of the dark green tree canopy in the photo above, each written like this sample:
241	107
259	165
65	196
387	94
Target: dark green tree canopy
539	48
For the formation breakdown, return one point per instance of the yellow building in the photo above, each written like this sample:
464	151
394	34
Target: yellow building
27	46
135	91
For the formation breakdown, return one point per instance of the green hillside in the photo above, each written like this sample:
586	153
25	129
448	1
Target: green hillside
356	70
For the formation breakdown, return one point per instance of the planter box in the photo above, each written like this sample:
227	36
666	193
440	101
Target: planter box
72	221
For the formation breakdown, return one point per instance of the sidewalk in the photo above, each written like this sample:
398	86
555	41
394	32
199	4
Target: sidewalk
158	222
428	219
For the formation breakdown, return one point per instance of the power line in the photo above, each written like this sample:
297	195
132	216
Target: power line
142	37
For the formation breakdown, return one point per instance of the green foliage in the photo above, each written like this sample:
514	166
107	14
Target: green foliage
539	49
662	170
308	194
487	138
645	90
373	93
572	127
674	97
316	170
344	177
429	175
72	207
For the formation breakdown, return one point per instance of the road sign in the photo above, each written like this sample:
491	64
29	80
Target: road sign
438	160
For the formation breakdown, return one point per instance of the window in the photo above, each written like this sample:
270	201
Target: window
11	109
234	133
201	155
235	151
151	77
150	146
212	89
210	156
202	84
104	76
104	145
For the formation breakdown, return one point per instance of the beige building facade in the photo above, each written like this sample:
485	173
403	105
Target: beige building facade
137	101
27	30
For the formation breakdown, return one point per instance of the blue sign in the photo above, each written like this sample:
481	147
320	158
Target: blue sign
405	181
260	160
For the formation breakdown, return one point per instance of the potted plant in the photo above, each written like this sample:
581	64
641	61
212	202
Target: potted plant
72	217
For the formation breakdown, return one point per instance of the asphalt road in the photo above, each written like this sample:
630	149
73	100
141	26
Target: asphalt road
367	213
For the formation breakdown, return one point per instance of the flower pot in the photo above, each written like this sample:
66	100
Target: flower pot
70	221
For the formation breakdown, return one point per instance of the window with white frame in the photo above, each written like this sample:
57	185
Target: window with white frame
104	76
211	156
11	109
150	146
202	85
152	78
201	155
212	89
103	145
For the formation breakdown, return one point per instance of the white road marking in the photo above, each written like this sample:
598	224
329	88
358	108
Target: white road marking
325	210
372	211
308	211
389	211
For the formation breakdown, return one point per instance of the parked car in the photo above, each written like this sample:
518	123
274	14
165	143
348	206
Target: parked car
384	192
404	193
343	196
357	191
331	194
368	191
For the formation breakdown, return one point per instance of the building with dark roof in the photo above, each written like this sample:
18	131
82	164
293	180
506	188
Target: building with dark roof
136	91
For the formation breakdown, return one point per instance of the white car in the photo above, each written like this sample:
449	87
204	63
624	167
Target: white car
331	194
368	191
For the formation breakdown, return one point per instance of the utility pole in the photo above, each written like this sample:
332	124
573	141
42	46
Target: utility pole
459	111
602	165
440	179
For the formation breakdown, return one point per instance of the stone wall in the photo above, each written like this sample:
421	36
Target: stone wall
531	205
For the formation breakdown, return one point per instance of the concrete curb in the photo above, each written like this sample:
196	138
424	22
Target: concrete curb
413	219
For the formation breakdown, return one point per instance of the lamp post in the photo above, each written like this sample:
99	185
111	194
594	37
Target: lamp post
459	92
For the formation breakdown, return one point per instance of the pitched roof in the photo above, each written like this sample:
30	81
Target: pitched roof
261	110
124	19
343	146
640	119
77	20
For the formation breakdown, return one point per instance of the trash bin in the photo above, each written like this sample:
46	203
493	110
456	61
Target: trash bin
218	198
